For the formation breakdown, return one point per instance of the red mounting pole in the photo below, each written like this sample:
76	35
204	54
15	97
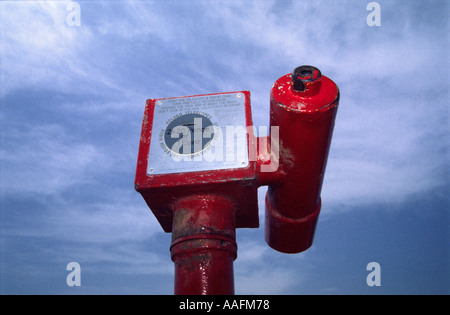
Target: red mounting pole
203	245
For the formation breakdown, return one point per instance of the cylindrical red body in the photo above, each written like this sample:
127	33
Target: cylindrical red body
203	245
306	121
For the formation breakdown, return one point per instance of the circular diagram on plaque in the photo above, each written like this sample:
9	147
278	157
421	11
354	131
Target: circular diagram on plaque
184	134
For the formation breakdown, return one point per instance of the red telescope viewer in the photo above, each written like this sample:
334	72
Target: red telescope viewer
200	165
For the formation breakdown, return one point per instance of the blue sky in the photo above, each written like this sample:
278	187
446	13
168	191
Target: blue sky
72	101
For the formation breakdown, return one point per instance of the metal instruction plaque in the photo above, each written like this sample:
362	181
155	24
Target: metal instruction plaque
198	133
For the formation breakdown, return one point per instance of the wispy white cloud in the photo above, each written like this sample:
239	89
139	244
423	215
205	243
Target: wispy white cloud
256	274
268	280
376	133
134	20
385	147
41	50
38	47
46	160
384	153
118	233
121	260
252	251
388	142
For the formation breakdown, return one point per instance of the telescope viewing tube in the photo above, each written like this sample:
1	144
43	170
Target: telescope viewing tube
304	106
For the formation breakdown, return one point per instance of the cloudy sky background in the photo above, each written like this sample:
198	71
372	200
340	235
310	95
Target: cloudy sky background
72	101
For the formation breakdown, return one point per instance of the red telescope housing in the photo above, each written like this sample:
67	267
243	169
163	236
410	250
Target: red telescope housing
200	165
304	105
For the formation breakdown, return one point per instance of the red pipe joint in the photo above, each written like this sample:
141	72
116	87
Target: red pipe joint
204	245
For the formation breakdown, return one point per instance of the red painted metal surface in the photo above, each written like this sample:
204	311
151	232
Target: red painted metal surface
203	209
306	120
204	245
161	191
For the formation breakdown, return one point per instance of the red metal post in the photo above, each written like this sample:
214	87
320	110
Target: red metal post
202	209
204	245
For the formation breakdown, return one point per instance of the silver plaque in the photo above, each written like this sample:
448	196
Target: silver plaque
198	133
